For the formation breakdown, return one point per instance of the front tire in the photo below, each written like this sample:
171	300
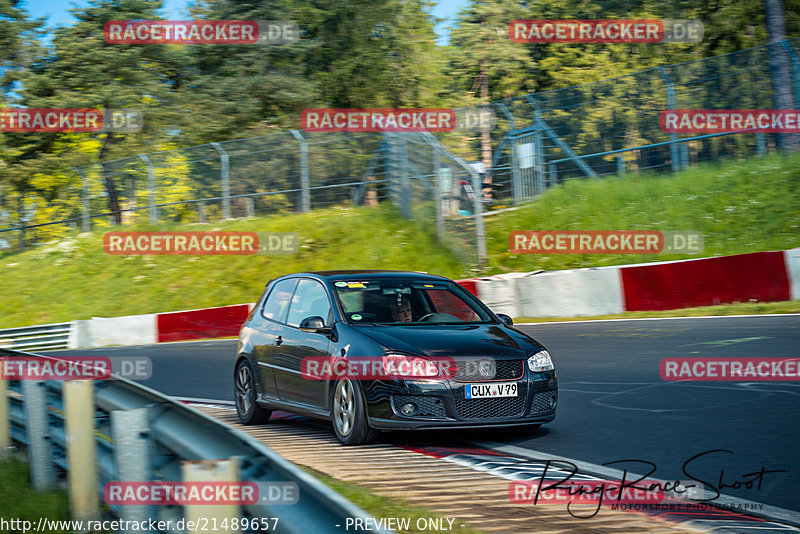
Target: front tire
349	414
250	413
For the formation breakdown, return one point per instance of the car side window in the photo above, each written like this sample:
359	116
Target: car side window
278	300
309	300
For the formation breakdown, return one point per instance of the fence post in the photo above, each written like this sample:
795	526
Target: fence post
201	212
151	187
225	176
5	420
250	207
480	228
437	187
81	448
620	164
40	459
761	144
305	180
130	430
795	72
211	471
673	148
86	221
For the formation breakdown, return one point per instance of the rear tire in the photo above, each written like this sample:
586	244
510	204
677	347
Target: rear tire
250	413
349	415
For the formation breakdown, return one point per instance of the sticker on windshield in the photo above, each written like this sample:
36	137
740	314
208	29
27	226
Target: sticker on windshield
356	317
340	284
355	284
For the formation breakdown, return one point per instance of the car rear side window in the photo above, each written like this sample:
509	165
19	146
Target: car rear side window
310	300
278	300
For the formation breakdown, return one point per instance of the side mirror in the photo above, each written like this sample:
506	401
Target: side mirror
506	320
315	325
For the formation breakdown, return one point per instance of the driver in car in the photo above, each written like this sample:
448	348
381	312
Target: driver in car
401	311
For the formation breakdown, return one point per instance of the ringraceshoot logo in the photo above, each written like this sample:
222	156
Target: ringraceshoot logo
211	243
200	32
730	120
604	242
605	31
378	120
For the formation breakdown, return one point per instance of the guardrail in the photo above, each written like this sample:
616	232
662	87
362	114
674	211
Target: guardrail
114	430
41	337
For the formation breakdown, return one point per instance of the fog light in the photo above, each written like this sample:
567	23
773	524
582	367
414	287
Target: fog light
409	408
552	401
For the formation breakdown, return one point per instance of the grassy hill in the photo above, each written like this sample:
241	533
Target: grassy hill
739	206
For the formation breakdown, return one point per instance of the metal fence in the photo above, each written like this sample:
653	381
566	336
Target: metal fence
612	126
92	432
540	140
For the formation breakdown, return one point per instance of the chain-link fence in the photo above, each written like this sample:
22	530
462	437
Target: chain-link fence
612	126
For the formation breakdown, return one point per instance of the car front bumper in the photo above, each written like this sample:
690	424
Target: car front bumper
443	404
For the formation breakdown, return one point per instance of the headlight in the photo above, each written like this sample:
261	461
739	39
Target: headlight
407	367
540	362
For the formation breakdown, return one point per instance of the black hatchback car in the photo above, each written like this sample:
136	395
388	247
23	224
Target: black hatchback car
364	322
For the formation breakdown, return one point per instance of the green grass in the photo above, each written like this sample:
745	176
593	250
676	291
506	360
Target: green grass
76	279
740	207
19	501
379	506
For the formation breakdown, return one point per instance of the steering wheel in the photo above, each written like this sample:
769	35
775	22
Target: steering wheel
426	317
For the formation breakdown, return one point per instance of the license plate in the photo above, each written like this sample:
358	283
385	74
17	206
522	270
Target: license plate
486	391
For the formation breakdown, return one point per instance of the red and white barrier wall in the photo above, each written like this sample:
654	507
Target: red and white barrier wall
759	276
223	321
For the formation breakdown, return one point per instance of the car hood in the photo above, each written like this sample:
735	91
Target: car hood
453	340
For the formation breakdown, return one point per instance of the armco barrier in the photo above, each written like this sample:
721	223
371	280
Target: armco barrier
99	431
223	321
759	276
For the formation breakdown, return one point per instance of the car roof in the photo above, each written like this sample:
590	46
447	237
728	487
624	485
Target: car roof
357	274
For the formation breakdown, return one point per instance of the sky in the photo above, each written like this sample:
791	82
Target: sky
58	13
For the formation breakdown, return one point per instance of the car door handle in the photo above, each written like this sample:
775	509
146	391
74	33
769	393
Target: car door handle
279	340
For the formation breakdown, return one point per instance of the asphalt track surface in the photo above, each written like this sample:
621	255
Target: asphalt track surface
613	405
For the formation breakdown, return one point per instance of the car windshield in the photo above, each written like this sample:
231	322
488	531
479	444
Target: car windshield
404	301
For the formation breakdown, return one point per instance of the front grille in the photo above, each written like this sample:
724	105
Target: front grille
469	370
428	406
541	402
490	408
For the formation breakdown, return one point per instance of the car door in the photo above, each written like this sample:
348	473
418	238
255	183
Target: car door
310	300
271	331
